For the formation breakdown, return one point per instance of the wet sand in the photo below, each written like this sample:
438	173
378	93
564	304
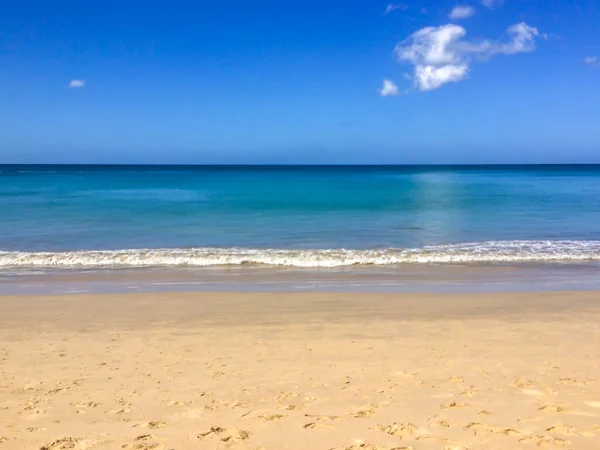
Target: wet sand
300	371
405	278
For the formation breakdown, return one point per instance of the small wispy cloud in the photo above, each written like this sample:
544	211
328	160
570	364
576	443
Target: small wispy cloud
77	83
592	61
461	12
393	7
492	3
388	89
441	55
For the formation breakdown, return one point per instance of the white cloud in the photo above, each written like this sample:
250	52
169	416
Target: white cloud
393	7
592	61
431	77
77	83
388	89
461	12
523	39
441	55
492	3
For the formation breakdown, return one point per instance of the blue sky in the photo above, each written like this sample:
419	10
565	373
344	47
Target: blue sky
300	82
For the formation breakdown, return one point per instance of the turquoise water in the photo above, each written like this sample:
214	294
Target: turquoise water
103	216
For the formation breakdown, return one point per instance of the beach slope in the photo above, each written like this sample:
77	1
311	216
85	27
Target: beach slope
300	371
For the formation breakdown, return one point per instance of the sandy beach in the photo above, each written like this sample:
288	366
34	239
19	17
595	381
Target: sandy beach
300	371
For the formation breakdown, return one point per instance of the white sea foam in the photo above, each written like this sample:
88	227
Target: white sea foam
481	252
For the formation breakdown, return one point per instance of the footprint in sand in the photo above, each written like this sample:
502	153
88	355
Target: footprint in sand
572	382
144	446
456	380
568	430
33	415
145	437
85	405
529	419
58	390
507	432
553	408
33	405
183	403
59	444
432	439
232	435
322	422
270	417
313	425
362	411
292	407
81	407
325	418
565	430
397	429
123	402
285	395
480	428
544	440
454	405
72	443
446	424
523	383
469	394
220	405
145	442
153	424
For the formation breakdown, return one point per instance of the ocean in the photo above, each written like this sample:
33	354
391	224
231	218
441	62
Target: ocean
70	218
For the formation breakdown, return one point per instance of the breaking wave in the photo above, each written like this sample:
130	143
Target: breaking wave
480	252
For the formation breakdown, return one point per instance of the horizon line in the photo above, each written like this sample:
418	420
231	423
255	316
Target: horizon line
295	165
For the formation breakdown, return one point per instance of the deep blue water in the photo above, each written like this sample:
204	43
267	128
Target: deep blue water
214	215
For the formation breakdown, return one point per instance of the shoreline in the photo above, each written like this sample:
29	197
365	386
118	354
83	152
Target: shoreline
300	370
409	278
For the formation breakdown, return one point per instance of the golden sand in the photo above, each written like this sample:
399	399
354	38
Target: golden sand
300	371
